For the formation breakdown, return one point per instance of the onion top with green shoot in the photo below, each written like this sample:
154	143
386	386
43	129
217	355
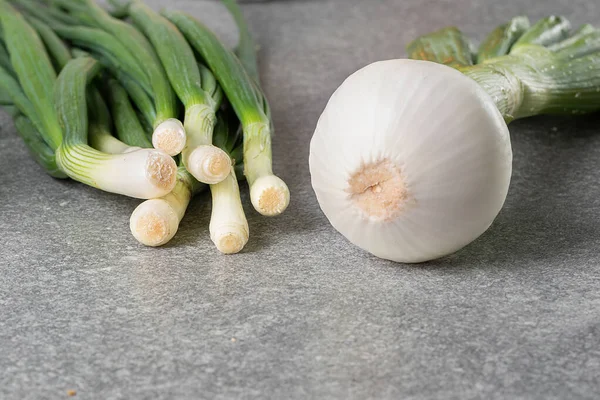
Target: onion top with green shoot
411	159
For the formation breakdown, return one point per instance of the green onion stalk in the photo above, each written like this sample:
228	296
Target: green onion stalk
155	222
131	58
197	89
28	125
27	130
57	108
228	226
268	193
127	124
143	173
169	133
35	73
543	69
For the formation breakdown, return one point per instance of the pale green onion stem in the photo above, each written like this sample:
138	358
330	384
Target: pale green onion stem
169	134
201	99
143	173
228	225
34	70
154	222
268	193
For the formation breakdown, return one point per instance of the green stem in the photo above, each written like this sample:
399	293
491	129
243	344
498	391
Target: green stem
247	47
39	150
5	60
144	52
35	8
34	69
545	71
581	46
545	32
533	80
447	46
11	88
137	93
106	44
57	49
175	54
71	104
578	34
257	152
101	139
127	124
501	39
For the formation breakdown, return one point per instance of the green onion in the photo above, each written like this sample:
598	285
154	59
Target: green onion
116	57
154	222
196	88
57	50
268	193
34	70
38	149
228	226
127	124
169	134
143	173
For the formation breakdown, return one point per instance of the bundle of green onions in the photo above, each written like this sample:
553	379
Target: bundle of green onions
146	105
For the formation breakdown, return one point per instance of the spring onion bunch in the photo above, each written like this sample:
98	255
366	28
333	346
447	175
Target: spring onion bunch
196	88
120	47
155	222
268	193
100	100
411	159
57	106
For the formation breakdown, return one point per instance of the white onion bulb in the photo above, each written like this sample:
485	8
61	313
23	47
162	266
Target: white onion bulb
411	160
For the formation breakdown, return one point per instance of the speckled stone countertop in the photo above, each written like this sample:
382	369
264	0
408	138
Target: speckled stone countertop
301	313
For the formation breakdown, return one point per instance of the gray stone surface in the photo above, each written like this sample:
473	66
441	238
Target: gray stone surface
302	313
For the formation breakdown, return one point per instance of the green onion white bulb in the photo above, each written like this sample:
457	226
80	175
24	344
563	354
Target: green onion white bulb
169	136
154	222
228	225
